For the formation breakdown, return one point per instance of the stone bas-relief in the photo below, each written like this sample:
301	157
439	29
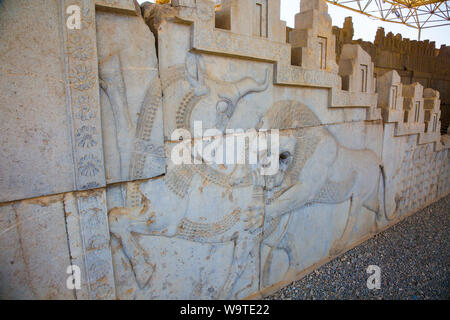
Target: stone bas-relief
130	98
355	155
346	174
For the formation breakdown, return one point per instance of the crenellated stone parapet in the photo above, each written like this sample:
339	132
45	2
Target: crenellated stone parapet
413	109
101	99
308	59
415	61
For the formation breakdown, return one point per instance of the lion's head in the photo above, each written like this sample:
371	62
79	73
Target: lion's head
299	131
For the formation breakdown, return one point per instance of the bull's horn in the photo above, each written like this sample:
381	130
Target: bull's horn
247	85
234	93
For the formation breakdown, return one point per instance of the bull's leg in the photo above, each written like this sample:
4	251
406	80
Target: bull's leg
242	249
120	222
339	245
113	84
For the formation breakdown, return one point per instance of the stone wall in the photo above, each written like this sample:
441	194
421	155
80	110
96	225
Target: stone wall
415	61
93	116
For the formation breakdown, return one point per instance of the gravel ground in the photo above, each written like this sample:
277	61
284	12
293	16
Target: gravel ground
413	256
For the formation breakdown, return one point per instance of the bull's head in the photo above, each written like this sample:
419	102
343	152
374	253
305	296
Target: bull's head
219	98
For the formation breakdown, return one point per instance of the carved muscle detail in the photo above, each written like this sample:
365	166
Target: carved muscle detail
335	192
288	114
172	74
201	232
150	106
185	108
307	142
221	179
178	180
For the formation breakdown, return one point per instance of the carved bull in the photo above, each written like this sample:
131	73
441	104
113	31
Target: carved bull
175	220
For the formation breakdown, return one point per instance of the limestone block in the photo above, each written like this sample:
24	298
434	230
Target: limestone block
299	197
233	16
35	256
195	85
42	237
413	103
276	27
62	128
88	238
207	203
264	19
416	171
36	147
319	50
421	173
132	121
313	5
390	98
356	70
432	114
431	98
130	7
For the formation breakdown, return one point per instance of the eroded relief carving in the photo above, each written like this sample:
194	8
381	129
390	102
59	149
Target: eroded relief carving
230	226
301	152
82	81
206	230
424	174
309	149
346	174
131	100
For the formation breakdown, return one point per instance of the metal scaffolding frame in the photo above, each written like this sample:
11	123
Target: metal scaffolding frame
418	14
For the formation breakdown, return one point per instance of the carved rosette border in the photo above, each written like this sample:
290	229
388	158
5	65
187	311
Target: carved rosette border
80	49
88	234
95	239
89	243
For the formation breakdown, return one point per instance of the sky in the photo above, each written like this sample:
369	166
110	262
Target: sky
365	28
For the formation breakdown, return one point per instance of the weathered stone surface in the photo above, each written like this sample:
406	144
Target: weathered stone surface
61	131
36	149
415	61
130	98
120	6
34	255
132	88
